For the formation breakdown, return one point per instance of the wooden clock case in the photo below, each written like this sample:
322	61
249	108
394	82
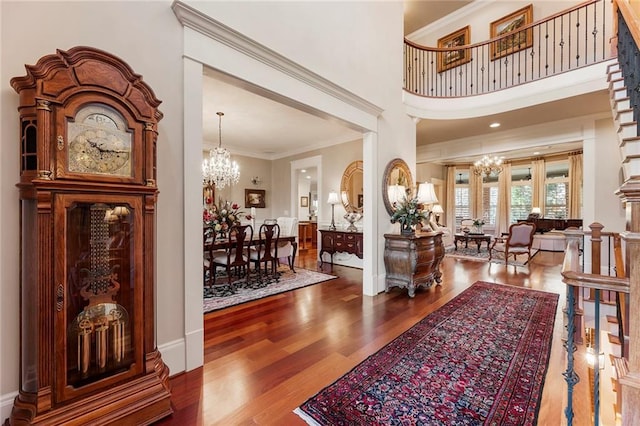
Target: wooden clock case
88	349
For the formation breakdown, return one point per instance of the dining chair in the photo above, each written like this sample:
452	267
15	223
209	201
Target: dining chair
266	253
207	248
518	241
288	227
235	257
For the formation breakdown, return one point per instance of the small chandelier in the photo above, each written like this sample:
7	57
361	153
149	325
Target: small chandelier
219	169
488	166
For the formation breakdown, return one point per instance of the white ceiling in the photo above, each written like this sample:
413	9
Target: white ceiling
259	124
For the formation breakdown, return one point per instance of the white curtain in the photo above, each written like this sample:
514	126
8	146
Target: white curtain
575	186
503	217
475	193
538	178
450	202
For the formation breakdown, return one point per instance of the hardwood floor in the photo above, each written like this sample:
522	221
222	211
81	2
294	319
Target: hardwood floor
264	358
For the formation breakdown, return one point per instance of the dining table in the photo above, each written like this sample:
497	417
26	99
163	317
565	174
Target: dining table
218	243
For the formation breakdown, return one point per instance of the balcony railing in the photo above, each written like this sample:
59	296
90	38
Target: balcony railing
572	39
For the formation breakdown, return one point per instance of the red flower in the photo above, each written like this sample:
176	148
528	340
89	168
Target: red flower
235	206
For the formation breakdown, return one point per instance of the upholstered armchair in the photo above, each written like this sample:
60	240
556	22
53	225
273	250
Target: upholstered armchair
447	235
518	241
288	227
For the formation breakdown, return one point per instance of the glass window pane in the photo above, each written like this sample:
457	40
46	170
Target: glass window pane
521	202
556	200
462	204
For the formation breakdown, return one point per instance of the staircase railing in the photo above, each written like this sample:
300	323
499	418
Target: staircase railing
574	38
577	281
629	55
628	369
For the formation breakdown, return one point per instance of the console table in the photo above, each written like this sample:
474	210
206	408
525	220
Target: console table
340	241
413	260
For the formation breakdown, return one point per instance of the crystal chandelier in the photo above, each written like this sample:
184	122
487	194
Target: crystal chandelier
488	166
219	170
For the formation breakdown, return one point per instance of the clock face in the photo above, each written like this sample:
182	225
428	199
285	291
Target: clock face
99	142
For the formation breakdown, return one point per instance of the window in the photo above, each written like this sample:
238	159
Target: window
521	194
557	190
462	207
489	203
462	204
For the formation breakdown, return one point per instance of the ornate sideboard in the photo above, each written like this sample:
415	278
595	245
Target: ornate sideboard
340	241
412	261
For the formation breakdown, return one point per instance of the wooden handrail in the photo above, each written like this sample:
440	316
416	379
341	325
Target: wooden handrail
630	17
596	281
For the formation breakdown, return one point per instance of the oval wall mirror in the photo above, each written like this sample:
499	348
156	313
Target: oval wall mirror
396	183
351	188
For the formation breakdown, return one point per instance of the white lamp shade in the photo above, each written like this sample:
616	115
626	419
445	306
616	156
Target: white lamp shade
427	194
437	209
396	193
535	210
333	198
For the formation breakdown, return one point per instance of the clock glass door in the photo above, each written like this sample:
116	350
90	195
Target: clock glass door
100	298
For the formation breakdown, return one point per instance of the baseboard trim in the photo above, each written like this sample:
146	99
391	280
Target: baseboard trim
6	404
173	354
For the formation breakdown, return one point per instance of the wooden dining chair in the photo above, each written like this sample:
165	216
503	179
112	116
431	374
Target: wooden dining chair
207	248
266	253
235	257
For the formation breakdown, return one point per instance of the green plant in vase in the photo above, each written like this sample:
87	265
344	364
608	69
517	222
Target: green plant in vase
408	213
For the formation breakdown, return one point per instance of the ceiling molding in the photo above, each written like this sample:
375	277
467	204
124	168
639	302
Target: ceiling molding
444	23
204	24
559	136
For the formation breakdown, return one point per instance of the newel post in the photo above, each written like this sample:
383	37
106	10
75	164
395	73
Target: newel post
629	193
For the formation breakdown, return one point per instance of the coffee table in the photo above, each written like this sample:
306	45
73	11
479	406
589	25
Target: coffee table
478	238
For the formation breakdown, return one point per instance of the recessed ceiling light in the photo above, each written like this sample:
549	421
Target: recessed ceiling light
308	177
303	171
536	153
494	125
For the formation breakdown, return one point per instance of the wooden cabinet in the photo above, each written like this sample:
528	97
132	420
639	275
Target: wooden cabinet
413	261
340	241
88	196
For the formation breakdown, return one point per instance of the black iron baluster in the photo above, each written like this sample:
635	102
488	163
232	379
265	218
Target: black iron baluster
569	374
596	362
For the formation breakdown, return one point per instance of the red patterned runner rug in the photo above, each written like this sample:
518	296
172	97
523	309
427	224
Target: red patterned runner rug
479	359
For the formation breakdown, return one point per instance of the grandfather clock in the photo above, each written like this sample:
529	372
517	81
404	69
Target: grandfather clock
88	195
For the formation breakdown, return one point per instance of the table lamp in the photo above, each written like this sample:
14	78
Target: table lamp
437	211
333	200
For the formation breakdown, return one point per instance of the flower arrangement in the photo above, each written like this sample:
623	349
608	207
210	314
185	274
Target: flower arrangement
408	213
478	222
223	216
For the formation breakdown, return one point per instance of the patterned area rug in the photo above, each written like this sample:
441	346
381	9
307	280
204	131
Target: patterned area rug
479	359
246	292
471	253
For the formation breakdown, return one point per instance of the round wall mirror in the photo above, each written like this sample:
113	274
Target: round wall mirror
351	188
396	183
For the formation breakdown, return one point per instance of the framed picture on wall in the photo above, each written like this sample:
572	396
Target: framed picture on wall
512	38
304	201
453	58
254	198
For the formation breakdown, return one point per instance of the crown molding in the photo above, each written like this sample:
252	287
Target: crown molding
445	21
204	24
